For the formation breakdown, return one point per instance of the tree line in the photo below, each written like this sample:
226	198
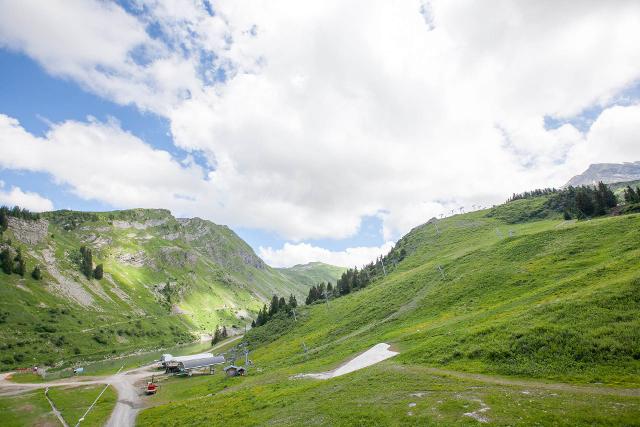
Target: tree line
583	202
16	264
631	195
355	279
277	305
532	194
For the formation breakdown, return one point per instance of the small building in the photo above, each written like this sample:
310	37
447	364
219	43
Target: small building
234	371
170	363
188	366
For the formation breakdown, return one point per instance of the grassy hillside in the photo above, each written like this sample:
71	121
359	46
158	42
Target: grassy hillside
165	279
312	273
526	302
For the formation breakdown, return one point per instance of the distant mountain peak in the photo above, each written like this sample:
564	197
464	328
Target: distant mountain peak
607	173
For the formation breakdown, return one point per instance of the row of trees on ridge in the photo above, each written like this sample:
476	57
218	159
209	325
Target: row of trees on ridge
277	305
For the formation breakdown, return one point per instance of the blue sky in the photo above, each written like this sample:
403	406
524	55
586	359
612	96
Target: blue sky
317	133
38	99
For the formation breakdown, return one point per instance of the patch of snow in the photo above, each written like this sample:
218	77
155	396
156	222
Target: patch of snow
412	404
375	354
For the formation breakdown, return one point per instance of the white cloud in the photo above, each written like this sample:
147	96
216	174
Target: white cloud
301	253
101	161
334	110
25	199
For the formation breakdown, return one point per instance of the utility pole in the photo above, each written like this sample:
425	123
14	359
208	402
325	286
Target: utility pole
441	271
294	314
384	270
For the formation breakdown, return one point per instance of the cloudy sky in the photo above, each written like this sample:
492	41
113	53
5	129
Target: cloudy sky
317	130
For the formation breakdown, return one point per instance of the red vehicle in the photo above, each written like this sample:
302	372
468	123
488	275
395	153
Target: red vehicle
152	387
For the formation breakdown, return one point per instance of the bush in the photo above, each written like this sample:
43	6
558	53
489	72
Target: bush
36	273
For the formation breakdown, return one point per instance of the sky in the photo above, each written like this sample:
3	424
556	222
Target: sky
316	130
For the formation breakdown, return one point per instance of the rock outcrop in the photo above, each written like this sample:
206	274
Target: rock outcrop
607	173
29	232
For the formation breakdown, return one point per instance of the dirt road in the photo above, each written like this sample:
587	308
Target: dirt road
128	384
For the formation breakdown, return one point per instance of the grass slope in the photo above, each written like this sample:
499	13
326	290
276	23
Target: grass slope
32	409
313	273
165	278
550	300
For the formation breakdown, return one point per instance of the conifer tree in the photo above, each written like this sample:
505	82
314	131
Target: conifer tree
292	301
273	307
282	304
36	273
6	261
86	265
98	272
20	267
4	221
217	335
224	332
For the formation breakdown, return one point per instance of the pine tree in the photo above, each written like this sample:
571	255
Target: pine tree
224	332
217	335
273	307
292	301
282	304
631	196
36	273
584	203
86	265
4	221
6	261
98	272
20	265
253	324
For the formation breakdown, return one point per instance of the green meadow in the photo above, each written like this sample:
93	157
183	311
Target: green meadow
504	316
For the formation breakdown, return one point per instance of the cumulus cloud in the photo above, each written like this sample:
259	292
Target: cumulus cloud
25	199
301	253
316	115
101	161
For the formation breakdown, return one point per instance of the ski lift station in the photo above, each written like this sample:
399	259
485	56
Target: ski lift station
187	364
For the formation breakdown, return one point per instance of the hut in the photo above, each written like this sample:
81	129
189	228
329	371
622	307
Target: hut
233	370
188	366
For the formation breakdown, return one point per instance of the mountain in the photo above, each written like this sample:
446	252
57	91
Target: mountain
499	316
165	279
607	173
312	273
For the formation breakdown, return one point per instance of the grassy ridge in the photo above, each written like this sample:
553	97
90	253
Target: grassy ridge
313	273
549	299
165	279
